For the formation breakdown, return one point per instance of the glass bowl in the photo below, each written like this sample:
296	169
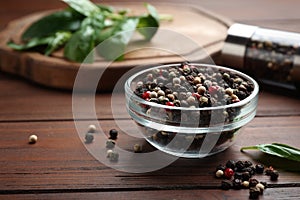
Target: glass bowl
191	110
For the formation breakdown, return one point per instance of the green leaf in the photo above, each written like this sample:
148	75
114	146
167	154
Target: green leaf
80	45
152	11
34	42
149	24
66	20
58	41
114	47
84	7
105	8
277	149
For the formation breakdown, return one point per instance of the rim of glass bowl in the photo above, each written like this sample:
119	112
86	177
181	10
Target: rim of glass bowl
133	96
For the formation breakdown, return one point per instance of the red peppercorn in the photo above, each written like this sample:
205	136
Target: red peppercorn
146	95
196	95
213	89
228	173
170	103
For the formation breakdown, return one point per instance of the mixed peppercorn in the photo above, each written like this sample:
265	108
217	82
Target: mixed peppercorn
187	85
191	86
239	175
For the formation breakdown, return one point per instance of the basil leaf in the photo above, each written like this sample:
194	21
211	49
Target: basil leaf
105	8
114	47
277	149
80	45
66	20
149	24
58	41
34	42
84	7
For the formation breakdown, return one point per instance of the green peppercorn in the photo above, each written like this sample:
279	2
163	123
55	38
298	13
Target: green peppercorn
89	137
112	155
110	144
137	148
176	80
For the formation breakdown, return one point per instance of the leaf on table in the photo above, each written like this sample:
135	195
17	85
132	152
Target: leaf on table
66	20
114	47
149	24
84	7
277	149
80	45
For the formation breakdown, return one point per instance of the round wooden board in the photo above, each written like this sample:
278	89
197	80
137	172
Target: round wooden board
191	30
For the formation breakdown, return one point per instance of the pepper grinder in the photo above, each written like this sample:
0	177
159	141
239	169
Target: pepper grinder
271	56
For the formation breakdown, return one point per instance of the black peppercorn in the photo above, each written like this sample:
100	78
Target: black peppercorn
226	185
237	184
269	170
230	164
274	175
246	176
253	182
221	167
238	175
239	166
247	163
113	134
254	193
250	170
259	168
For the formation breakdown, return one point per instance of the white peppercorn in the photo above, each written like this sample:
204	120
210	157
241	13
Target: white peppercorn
229	91
201	89
197	80
219	173
109	153
32	139
153	94
92	128
245	184
160	93
261	187
112	155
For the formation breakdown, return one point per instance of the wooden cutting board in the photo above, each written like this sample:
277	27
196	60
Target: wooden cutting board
190	26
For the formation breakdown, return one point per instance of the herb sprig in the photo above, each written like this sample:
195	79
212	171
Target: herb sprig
82	26
277	149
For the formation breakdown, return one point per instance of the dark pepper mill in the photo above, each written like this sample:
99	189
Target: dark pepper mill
271	56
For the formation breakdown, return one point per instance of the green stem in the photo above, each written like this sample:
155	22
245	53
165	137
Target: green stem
165	17
249	148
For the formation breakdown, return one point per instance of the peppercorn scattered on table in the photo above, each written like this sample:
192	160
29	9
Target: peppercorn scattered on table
43	157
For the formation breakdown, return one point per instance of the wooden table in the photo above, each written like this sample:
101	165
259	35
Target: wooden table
58	166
